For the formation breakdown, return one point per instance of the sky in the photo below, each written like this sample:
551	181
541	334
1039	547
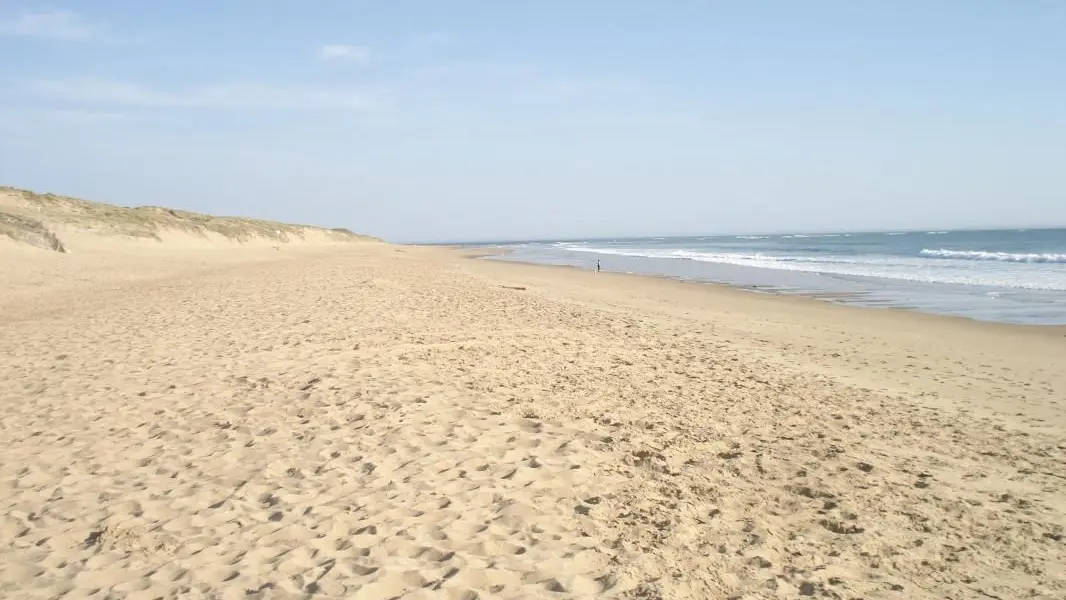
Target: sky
459	120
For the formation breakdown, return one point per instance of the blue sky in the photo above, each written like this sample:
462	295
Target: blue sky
457	120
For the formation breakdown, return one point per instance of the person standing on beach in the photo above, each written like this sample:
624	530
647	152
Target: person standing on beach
597	266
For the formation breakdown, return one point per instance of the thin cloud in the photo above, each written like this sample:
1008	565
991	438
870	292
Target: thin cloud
80	116
525	79
343	52
52	25
435	38
217	96
583	88
478	71
64	117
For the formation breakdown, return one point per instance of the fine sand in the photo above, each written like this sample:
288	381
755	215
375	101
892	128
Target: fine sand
187	417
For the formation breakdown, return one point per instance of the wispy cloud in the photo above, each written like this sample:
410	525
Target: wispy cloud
28	120
524	79
343	52
435	38
588	87
104	92
483	72
53	25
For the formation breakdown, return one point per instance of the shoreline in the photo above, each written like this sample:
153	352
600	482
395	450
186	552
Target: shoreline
823	298
999	276
895	346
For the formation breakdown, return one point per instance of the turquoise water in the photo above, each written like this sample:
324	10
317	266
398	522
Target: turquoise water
1008	275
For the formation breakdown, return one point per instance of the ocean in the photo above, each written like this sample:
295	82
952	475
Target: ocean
1006	275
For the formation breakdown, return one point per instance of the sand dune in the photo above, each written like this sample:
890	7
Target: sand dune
43	220
370	421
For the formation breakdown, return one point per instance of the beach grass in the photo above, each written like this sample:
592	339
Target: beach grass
33	218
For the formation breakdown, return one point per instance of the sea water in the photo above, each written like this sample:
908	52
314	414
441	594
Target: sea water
1006	275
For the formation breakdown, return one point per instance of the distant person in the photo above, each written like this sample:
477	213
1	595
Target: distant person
597	266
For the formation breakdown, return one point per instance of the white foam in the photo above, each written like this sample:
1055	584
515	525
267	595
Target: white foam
919	269
814	235
1048	257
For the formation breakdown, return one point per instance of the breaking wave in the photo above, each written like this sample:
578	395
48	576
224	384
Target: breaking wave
959	270
1049	257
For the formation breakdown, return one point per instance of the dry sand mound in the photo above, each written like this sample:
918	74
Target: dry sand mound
42	220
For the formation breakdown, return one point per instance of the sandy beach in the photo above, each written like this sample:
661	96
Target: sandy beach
360	420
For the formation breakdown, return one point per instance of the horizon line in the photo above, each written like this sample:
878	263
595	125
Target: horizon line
723	235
